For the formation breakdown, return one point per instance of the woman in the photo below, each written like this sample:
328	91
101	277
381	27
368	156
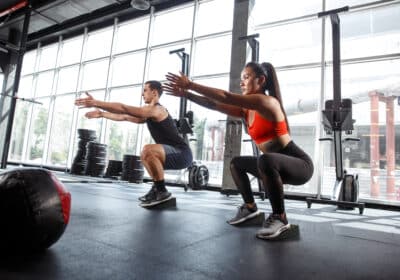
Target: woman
281	161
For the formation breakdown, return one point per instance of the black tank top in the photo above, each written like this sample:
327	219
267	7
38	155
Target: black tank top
165	132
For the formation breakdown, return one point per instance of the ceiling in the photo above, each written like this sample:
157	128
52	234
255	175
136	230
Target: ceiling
51	18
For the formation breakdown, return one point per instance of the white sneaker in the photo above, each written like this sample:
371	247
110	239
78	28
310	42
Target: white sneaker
273	226
244	214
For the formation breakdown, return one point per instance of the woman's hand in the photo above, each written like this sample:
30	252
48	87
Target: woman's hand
86	102
182	82
173	90
94	114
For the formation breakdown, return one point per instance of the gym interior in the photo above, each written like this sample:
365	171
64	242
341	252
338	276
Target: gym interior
338	64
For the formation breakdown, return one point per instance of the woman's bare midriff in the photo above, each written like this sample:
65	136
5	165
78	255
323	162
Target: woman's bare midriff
274	145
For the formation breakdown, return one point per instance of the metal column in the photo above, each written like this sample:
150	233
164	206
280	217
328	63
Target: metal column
12	77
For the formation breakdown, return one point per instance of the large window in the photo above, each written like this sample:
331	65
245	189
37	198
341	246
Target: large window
274	11
376	158
209	19
67	79
44	83
95	74
38	131
370	35
212	51
292	43
21	122
48	58
61	130
113	62
71	51
28	65
161	62
207	141
122	137
98	44
122	71
173	26
131	36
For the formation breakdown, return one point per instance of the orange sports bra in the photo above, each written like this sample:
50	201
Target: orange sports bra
262	130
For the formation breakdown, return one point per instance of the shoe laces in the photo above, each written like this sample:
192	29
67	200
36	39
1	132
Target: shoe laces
151	191
242	207
271	218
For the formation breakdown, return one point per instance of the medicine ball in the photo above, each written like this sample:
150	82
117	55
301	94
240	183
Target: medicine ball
34	210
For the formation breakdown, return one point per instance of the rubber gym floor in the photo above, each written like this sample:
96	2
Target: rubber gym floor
110	236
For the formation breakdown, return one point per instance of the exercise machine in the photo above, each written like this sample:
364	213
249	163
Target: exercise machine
198	174
336	119
255	46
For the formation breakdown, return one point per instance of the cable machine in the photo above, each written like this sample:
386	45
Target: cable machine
198	174
255	57
337	118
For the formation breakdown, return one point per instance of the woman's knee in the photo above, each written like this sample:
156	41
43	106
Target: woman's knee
266	163
236	164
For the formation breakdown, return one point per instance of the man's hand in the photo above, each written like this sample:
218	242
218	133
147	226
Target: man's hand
86	102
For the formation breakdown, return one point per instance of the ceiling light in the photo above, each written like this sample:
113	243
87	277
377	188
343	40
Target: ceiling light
140	4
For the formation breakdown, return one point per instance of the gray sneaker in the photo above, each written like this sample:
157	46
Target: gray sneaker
272	227
244	214
157	198
150	195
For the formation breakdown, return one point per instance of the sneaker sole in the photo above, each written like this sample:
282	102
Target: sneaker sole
251	216
275	235
154	203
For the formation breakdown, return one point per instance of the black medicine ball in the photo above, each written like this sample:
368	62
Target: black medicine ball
34	209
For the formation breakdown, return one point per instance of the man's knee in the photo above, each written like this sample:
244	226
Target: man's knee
147	153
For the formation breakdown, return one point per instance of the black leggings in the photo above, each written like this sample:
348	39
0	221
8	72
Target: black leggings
291	165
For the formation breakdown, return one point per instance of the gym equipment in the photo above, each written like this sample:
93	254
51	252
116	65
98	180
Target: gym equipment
255	46
132	169
198	174
169	203
80	161
11	65
337	117
114	169
34	210
31	100
95	159
185	121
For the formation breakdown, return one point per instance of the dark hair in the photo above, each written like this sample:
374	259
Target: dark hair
271	85
155	85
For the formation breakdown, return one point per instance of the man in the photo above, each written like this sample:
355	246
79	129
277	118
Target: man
170	150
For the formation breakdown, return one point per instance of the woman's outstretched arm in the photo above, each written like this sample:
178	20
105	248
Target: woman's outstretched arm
253	101
209	103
